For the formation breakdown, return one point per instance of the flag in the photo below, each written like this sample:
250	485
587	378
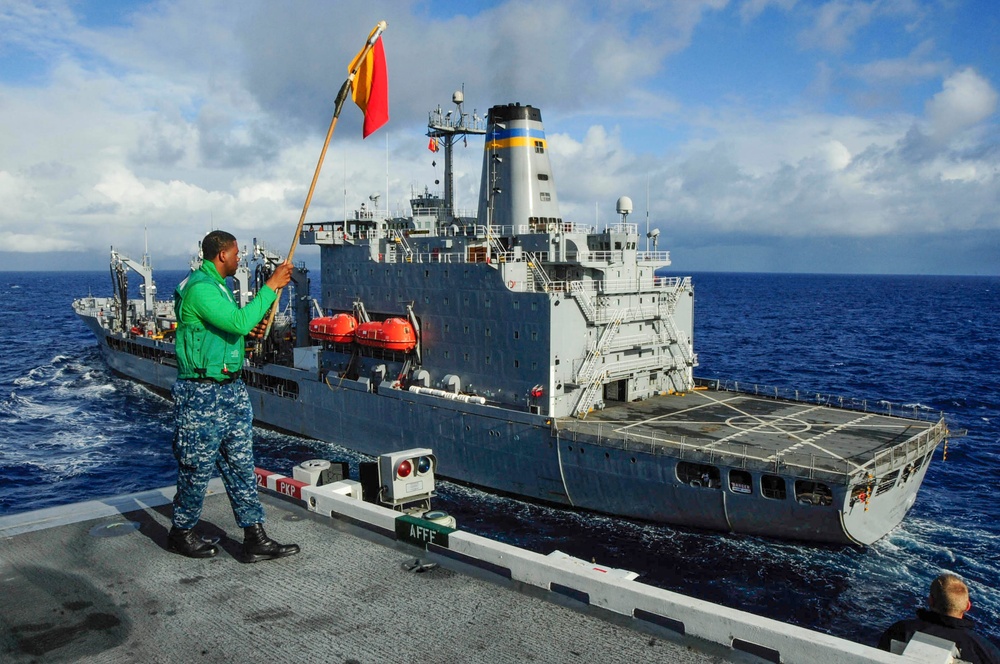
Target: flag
432	145
371	85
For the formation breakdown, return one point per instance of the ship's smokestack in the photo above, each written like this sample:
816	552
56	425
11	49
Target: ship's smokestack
517	187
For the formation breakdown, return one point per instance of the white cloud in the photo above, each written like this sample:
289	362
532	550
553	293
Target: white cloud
836	24
966	100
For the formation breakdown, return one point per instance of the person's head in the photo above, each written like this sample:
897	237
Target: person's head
950	596
221	248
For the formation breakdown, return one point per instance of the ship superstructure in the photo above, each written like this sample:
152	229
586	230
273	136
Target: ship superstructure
541	357
516	305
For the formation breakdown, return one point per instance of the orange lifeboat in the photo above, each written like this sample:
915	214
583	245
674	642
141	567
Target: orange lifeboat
338	329
393	334
398	335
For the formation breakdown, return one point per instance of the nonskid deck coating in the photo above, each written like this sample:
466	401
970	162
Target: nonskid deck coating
759	428
105	589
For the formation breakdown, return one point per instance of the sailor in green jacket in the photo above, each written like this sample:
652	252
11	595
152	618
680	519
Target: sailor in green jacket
213	417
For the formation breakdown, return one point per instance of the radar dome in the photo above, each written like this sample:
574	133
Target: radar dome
624	205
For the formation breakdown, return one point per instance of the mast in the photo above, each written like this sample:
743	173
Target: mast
446	128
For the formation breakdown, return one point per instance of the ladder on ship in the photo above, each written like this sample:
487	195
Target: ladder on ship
670	335
400	239
578	291
586	376
537	273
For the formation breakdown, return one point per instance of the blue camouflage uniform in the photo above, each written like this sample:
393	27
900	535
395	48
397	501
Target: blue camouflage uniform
213	418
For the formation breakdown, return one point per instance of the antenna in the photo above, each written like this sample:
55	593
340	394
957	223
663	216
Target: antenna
647	211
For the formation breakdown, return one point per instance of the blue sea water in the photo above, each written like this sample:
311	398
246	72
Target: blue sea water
70	430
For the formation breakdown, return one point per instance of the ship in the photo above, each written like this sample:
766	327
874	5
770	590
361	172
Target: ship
539	357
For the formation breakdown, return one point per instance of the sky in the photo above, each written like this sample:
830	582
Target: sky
845	136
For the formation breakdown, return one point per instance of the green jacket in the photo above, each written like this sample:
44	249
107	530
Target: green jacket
210	325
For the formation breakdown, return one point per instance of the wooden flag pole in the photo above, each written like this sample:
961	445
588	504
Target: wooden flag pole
345	90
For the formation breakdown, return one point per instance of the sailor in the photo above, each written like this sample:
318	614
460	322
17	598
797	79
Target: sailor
213	422
948	602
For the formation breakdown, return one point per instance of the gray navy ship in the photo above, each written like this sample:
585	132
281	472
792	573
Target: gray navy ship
539	357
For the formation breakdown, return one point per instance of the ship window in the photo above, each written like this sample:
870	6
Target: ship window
740	481
517	304
517	363
489	332
517	334
808	492
466	301
488	359
534	336
545	196
534	365
427	299
534	306
465	356
539	147
887	482
466	329
447	354
543	176
445	301
772	486
446	326
698	474
427	273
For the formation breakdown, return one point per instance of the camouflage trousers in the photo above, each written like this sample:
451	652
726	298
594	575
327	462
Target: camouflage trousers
213	426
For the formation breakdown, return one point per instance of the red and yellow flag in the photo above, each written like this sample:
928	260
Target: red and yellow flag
370	89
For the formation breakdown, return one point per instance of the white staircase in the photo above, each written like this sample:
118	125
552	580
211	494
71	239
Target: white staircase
588	376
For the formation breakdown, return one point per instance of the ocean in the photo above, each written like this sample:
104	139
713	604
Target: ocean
72	431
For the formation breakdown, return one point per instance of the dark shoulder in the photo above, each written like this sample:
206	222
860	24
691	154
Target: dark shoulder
985	651
899	631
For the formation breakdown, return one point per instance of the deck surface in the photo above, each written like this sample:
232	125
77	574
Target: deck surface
760	428
103	588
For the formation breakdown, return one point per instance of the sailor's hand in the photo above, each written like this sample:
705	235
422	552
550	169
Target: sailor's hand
282	275
259	331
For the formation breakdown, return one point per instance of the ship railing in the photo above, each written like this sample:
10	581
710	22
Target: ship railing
909	452
501	231
455	257
660	257
545	226
622	368
835	469
629	229
457	123
638	284
877	407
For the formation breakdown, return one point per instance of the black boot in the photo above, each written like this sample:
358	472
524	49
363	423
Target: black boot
186	543
258	546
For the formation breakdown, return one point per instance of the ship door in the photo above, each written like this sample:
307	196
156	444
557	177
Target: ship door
616	390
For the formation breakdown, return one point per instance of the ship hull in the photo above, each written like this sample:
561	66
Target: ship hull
523	454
